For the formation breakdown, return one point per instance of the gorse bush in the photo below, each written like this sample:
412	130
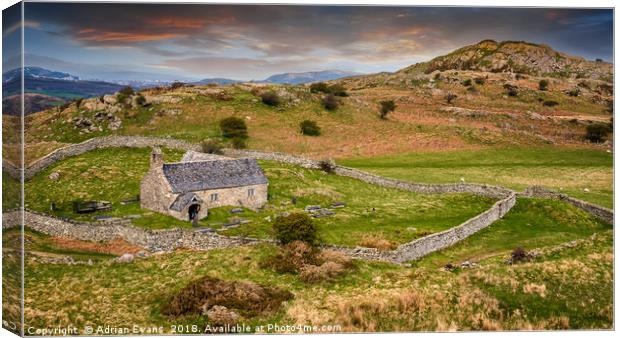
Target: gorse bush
322	87
466	83
238	143
550	103
310	128
295	227
127	91
597	133
480	80
234	127
387	107
327	166
450	97
176	84
270	98
331	102
511	90
543	84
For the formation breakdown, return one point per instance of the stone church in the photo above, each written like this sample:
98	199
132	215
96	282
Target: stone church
187	189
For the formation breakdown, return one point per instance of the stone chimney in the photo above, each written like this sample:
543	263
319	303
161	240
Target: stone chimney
157	157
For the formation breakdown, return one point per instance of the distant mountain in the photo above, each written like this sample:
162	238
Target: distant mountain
516	57
37	72
53	87
307	77
216	80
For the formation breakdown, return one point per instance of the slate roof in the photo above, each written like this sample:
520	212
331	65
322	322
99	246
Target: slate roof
183	200
196	176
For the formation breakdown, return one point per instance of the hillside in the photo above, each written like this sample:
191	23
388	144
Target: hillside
516	57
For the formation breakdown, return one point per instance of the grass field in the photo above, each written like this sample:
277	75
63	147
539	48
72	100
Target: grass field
563	288
570	171
115	174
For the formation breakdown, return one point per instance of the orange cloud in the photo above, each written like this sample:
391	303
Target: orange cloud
186	23
89	34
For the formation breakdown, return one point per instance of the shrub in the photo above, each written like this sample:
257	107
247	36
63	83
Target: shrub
338	90
511	90
310	128
597	133
210	146
234	127
543	84
141	100
327	166
176	84
78	102
292	257
450	97
518	255
295	227
550	103
387	106
319	87
238	143
574	92
466	83
127	91
324	272
480	80
250	299
270	98
331	102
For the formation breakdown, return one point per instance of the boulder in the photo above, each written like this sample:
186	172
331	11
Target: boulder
125	258
221	315
54	176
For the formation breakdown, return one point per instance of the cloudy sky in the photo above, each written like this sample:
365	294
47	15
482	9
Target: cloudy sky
180	41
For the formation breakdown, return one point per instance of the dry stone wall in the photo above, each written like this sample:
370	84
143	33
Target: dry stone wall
607	215
166	240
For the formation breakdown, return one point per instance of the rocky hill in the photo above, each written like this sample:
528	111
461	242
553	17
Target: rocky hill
516	57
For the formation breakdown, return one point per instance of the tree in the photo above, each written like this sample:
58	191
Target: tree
270	98
234	127
543	84
387	106
331	102
295	227
310	128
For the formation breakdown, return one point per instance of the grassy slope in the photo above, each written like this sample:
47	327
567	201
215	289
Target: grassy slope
115	174
566	170
565	288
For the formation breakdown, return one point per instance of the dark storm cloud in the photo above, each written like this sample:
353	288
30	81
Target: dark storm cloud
335	33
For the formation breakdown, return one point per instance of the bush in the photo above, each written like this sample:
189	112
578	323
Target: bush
78	103
327	166
292	257
176	84
270	98
387	106
574	92
319	87
511	90
295	227
450	97
234	127
211	146
238	143
310	128
324	272
518	255
550	103
141	100
466	83
127	91
331	102
597	133
480	80
338	90
543	84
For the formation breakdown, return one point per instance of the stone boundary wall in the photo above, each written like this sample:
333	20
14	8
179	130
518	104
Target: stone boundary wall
602	213
152	240
165	240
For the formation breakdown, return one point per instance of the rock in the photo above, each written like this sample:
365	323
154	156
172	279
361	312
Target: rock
110	99
310	208
125	258
221	315
236	210
54	176
90	262
338	205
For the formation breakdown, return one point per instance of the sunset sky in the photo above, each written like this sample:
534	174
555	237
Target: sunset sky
179	41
